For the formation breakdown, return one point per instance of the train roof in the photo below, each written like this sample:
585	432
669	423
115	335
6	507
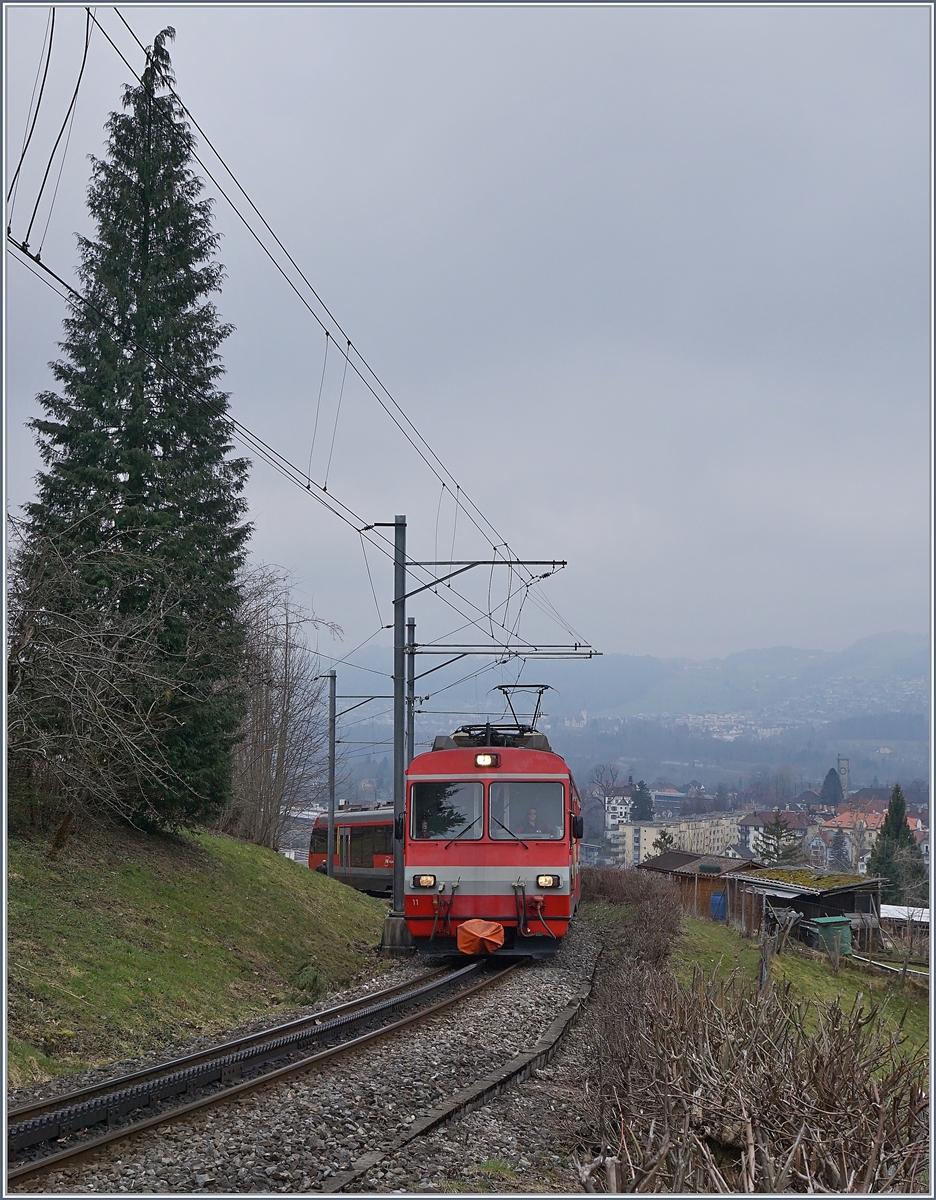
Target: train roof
359	816
514	759
509	734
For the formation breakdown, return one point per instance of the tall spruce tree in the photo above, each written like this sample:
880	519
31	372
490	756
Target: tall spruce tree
897	857
780	845
642	803
137	443
832	793
839	856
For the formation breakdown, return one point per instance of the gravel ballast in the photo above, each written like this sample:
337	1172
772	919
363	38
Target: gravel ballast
402	972
299	1135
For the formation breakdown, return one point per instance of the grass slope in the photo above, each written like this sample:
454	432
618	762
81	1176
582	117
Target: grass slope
718	950
126	941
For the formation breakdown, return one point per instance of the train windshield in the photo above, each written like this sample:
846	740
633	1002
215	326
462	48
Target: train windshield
446	810
527	809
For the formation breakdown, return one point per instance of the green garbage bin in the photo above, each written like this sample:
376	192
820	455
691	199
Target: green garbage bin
832	930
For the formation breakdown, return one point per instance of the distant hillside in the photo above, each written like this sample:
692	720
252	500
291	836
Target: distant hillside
885	672
888	672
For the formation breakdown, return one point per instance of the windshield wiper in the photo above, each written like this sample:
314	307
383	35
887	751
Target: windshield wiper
461	831
515	836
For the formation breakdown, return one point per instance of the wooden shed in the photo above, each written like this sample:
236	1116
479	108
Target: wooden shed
700	876
807	890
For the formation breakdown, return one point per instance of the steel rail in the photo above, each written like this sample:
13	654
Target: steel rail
118	1103
51	1103
88	1147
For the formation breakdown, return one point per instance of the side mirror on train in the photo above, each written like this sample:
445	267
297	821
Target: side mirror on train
399	827
578	827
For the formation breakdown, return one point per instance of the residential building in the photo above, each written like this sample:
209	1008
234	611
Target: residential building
861	831
867	799
707	833
633	843
807	801
667	802
617	803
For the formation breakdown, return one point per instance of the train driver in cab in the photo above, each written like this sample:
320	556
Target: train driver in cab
531	827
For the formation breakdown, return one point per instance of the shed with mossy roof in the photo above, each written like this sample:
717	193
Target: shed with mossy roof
809	891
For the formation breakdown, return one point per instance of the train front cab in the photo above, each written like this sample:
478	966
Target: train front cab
491	839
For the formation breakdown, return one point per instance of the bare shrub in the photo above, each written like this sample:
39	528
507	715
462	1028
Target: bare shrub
714	1088
651	916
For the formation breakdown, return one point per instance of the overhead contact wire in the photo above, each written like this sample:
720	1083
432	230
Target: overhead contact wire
308	306
256	444
267	453
71	126
259	241
49	32
312	289
331	448
370	578
435	544
318	407
84	59
289	257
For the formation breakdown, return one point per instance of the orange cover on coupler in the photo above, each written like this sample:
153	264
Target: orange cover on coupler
479	937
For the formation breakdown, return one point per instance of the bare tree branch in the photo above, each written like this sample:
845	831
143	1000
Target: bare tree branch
280	759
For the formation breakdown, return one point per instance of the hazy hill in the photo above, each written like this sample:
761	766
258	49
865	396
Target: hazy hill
885	673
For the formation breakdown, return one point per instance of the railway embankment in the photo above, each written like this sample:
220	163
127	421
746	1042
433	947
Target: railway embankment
678	1076
124	943
316	1131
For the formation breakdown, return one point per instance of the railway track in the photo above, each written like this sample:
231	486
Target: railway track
69	1127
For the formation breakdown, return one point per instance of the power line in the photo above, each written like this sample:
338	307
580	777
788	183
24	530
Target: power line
337	662
266	249
71	126
461	496
318	404
364	720
71	105
274	458
253	441
331	448
50	30
371	581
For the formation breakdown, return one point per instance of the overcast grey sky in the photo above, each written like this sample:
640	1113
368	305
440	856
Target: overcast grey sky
653	282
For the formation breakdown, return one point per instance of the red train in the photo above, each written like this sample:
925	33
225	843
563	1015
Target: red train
493	822
363	849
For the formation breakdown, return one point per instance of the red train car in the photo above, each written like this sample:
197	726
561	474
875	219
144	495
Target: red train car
363	849
493	822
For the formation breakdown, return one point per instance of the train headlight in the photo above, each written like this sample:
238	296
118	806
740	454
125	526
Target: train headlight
487	760
424	881
547	881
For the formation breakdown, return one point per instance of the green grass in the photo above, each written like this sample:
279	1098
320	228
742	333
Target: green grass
715	949
498	1168
719	950
128	941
